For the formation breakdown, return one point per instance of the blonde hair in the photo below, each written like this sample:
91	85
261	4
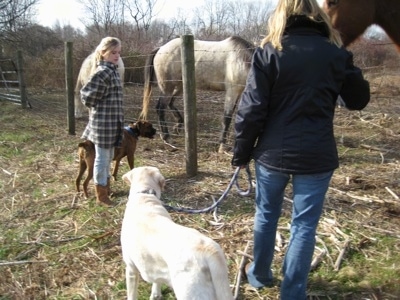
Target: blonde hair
287	8
106	45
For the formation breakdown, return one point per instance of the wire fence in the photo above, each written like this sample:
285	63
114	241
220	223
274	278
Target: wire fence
384	81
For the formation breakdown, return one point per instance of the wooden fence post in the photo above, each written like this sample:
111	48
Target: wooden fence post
69	84
21	79
189	99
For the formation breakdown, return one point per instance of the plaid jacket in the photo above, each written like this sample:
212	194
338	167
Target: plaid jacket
102	94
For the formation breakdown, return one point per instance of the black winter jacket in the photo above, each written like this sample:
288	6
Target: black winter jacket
285	116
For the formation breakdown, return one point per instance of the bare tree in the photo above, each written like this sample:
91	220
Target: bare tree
142	13
13	12
178	25
15	17
211	19
249	19
103	15
217	19
114	17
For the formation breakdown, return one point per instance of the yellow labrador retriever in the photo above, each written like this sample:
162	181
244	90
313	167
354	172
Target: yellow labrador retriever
164	252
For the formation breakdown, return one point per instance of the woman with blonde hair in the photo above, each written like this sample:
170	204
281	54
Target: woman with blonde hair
285	123
103	95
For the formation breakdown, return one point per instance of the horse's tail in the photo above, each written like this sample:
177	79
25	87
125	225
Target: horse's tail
149	77
83	77
78	104
121	70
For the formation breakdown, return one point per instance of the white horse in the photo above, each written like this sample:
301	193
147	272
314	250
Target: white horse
83	77
219	66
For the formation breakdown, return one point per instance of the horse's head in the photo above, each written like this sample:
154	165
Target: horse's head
330	3
350	17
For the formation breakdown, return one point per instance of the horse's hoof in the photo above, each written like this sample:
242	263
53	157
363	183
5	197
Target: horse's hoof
177	128
164	137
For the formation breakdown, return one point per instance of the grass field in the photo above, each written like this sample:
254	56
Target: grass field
54	244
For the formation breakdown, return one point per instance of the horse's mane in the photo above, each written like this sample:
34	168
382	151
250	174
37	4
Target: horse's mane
241	44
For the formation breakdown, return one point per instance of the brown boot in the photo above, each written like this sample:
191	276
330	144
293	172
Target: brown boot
102	196
109	186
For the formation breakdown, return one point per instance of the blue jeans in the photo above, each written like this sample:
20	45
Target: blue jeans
308	198
102	163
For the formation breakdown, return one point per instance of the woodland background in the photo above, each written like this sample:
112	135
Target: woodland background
135	22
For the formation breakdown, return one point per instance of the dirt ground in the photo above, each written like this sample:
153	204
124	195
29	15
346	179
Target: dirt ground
57	245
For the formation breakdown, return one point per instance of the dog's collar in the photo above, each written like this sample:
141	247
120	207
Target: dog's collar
132	132
149	191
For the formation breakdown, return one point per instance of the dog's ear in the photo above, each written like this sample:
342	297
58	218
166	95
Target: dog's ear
84	144
127	177
132	125
161	181
138	124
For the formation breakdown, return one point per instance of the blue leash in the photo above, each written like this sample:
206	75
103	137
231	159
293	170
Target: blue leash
234	180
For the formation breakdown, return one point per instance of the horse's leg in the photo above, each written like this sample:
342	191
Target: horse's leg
161	108
177	115
229	108
226	122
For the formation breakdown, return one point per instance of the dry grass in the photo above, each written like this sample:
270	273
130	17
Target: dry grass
57	245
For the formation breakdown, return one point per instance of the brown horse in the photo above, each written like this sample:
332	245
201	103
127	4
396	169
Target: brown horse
353	17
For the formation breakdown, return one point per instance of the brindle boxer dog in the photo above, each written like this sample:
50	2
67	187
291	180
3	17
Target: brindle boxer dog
131	134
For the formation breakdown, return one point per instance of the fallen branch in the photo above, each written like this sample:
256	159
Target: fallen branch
359	197
172	146
7	172
101	236
319	240
240	271
341	255
48	242
315	262
74	200
369	122
279	240
245	254
14	179
22	262
377	229
392	193
369	147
